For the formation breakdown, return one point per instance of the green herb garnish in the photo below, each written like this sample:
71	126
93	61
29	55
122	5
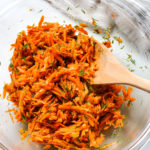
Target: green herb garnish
78	140
11	65
83	11
48	111
24	58
88	102
90	87
40	10
76	26
25	46
129	56
58	46
52	63
122	47
116	132
132	70
24	119
145	67
141	67
104	106
75	19
81	73
132	61
17	71
68	8
106	35
86	118
129	103
66	88
20	33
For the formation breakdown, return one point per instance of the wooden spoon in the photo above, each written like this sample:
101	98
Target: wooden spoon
111	71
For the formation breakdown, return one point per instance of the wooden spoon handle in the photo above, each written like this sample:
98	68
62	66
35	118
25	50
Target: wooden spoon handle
138	82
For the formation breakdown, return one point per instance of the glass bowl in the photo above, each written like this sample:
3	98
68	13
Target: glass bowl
128	20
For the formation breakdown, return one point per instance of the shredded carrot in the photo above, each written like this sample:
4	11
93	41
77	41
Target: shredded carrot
83	24
112	15
28	140
52	68
11	117
107	44
81	29
93	22
23	133
97	31
108	145
118	39
46	147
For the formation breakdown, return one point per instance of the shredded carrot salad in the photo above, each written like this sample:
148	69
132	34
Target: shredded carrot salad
51	70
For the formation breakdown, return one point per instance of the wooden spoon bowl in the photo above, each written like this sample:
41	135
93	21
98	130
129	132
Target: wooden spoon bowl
111	71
